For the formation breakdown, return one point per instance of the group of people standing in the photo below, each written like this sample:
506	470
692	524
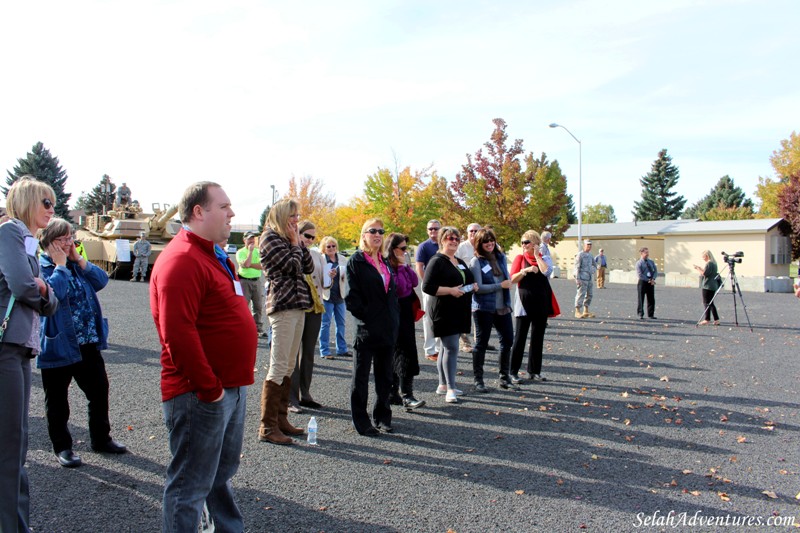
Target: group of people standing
51	312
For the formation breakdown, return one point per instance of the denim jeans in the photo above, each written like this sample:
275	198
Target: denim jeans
484	320
205	440
337	312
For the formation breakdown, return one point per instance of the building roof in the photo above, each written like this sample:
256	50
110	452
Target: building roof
660	228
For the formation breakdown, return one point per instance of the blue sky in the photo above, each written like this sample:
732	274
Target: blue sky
163	93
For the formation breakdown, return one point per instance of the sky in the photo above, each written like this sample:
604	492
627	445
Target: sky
160	94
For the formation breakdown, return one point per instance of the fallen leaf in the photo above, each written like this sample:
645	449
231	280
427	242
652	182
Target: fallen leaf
724	497
673	483
695	493
554	419
625	394
323	508
498	437
664	378
723	418
469	450
519	491
130	428
769	494
594	457
687	472
387	461
741	440
733	459
627	420
560	481
543	408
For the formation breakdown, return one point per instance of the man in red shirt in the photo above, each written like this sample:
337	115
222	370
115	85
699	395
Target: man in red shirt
208	349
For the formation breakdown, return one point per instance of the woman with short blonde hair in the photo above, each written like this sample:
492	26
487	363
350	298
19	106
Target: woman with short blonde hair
24	297
372	300
333	299
709	283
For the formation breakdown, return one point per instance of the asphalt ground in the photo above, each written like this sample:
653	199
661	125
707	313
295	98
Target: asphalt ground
639	419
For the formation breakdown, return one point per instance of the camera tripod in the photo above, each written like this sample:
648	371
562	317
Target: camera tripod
735	290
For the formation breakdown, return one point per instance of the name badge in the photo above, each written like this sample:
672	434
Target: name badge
462	267
237	286
487	268
649	275
31	246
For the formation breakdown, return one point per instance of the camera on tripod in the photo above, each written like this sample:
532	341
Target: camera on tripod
732	258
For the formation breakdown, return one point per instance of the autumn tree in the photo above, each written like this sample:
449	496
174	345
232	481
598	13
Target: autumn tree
725	195
495	188
42	165
98	200
313	203
721	212
347	221
598	214
785	161
789	205
659	201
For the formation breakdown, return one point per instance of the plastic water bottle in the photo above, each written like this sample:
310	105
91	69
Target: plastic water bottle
312	431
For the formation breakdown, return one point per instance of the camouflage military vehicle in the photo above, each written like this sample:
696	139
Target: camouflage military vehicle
100	233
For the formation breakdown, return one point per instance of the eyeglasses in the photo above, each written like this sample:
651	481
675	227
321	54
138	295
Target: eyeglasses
373	231
331	246
404	248
525	242
65	240
453	237
309	236
434	229
47	203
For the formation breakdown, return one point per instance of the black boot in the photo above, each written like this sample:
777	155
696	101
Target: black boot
478	358
394	397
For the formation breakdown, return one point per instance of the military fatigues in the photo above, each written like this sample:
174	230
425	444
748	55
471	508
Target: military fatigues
584	268
141	252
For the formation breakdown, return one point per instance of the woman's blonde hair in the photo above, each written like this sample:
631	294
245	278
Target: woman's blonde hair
532	236
25	196
323	244
362	242
56	228
279	215
710	256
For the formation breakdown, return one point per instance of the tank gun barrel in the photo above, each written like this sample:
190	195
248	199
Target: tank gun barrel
159	223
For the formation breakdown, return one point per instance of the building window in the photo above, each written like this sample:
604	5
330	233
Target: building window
780	250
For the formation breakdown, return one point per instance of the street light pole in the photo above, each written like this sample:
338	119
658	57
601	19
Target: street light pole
580	183
274	192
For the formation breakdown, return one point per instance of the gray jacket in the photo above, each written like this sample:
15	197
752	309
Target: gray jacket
17	273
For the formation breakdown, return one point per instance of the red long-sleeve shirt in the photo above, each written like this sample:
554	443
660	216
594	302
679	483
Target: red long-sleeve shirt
208	336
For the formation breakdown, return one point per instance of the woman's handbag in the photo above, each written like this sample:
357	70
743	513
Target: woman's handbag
4	325
416	307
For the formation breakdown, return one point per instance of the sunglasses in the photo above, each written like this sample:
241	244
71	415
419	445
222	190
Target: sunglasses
309	236
453	237
331	246
489	241
434	229
47	203
404	248
373	231
525	242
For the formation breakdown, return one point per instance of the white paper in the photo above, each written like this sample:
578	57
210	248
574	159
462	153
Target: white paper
487	268
327	280
237	286
31	246
123	249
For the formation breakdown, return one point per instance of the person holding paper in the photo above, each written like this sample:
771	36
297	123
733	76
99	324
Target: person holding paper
333	299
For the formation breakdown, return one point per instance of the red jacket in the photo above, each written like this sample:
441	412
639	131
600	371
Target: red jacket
207	333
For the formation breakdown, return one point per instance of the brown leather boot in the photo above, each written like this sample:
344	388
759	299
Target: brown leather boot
586	313
283	409
270	401
579	313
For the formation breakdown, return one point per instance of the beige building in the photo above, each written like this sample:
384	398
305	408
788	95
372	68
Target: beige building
677	245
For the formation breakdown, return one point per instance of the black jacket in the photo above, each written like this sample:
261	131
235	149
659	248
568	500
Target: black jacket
450	315
376	311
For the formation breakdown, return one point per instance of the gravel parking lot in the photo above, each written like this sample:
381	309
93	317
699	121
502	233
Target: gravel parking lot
639	419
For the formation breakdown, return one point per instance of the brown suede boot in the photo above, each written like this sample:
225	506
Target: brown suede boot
270	401
578	313
586	313
283	409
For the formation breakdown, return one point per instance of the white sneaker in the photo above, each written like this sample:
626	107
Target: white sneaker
458	392
451	397
441	389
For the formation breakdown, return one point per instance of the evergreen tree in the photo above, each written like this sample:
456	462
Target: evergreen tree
95	200
40	164
725	194
659	202
262	221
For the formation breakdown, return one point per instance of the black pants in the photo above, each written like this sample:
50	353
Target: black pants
711	309
484	320
646	289
90	375
523	324
364	357
304	369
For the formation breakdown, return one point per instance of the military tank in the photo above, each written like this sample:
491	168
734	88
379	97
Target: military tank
106	236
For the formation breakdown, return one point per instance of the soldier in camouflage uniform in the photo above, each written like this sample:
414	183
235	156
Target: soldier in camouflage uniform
141	252
584	268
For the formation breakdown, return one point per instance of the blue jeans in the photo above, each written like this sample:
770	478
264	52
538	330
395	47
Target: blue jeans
337	311
205	440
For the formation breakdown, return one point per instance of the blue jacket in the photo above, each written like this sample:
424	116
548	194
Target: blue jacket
485	299
59	341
